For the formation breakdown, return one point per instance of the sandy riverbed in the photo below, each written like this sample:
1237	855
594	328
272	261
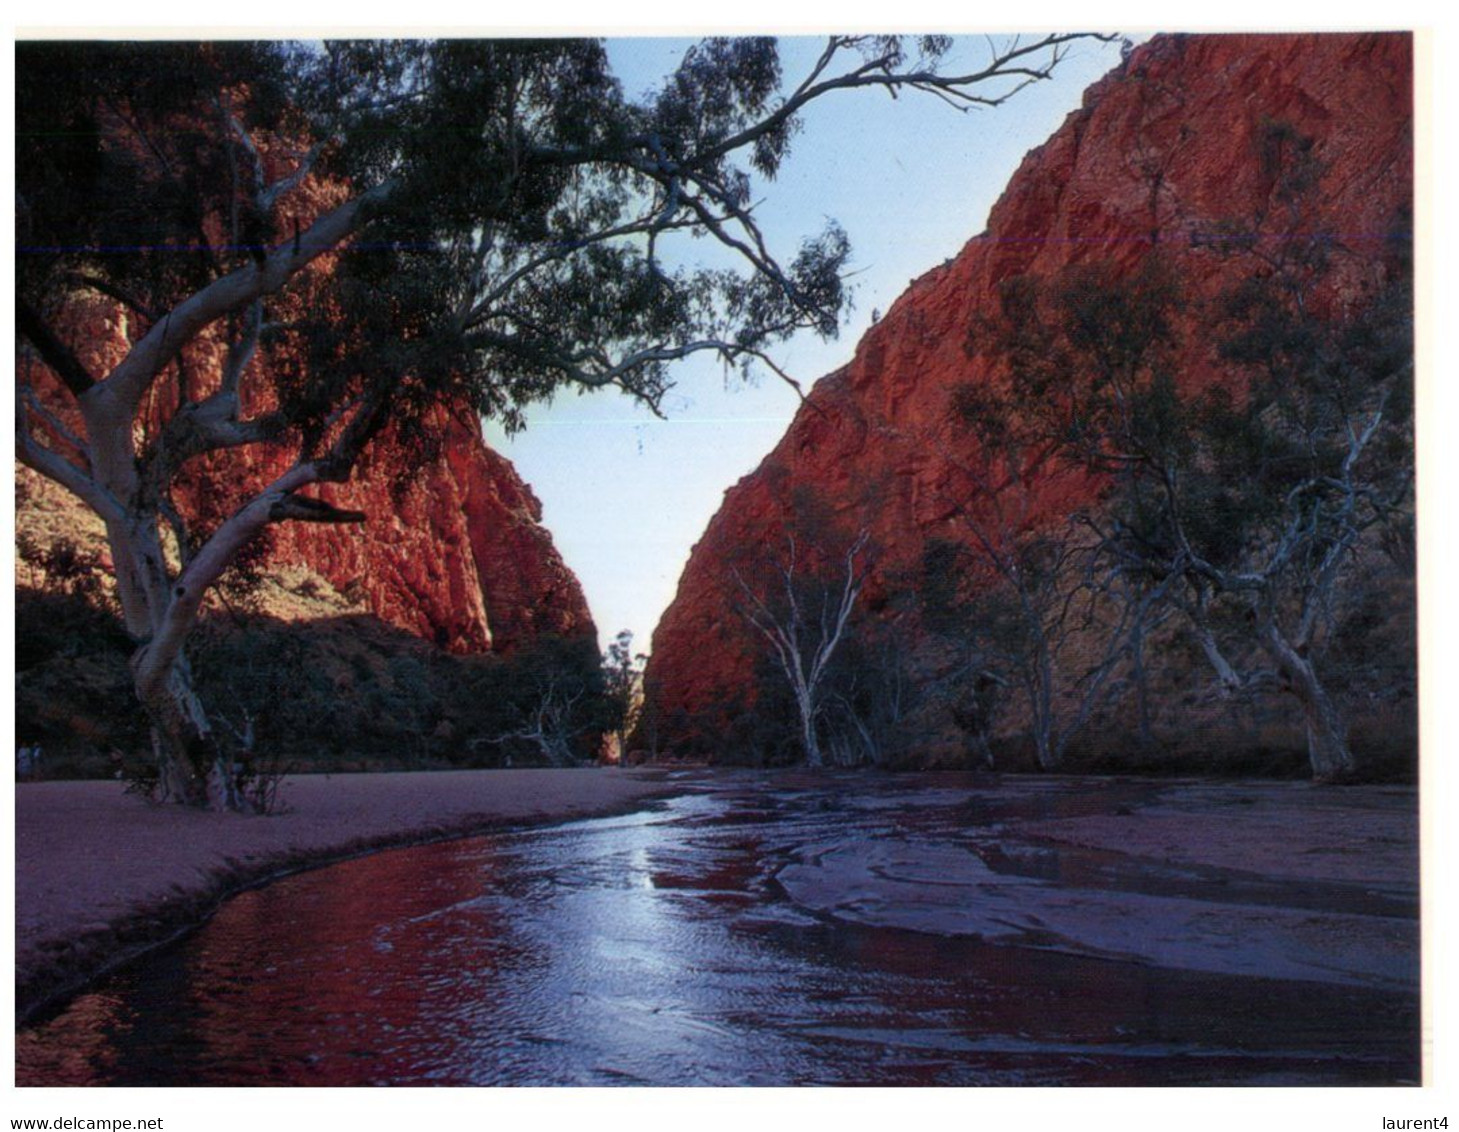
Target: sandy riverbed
101	875
789	927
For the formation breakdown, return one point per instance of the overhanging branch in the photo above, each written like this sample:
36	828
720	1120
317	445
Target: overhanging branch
307	509
52	350
230	292
114	291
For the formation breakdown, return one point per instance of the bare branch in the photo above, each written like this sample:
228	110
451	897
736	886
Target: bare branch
154	661
1004	64
241	351
247	143
272	194
305	509
54	423
56	467
55	353
198	428
482	310
606	372
114	291
238	288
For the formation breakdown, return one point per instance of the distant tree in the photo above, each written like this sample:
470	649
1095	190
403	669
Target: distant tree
1019	614
411	702
623	688
549	722
871	696
1241	511
1313	472
362	227
1025	594
552	703
800	601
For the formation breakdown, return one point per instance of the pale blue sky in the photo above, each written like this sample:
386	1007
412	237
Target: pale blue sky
911	180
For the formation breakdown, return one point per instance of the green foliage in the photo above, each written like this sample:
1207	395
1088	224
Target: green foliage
64	567
721	87
1250	510
1215	475
503	261
367	229
350	693
330	695
549	700
622	688
518	196
872	694
966	599
761	729
72	683
1242	508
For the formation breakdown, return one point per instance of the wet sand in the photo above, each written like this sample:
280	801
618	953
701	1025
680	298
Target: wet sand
1248	880
836	928
101	875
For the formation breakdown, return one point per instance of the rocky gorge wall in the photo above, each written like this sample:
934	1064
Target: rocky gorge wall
452	550
1174	143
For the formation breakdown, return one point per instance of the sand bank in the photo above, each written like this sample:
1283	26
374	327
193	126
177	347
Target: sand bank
101	875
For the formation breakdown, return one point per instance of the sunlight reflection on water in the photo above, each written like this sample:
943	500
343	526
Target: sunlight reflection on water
748	935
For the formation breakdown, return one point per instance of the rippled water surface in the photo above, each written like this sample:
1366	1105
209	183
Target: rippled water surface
907	931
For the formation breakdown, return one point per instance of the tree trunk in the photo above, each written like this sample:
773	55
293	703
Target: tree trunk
192	768
1043	746
1327	739
984	749
1144	735
868	739
1042	708
809	739
558	754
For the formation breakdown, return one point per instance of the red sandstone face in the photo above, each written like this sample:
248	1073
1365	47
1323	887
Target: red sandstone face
453	550
1163	149
459	556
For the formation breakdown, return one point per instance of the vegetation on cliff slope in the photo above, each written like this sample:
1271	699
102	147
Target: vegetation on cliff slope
361	228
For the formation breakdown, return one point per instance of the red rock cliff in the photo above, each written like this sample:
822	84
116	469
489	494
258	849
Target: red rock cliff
452	550
1164	148
458	555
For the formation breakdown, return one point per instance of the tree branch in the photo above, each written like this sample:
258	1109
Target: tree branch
1002	65
55	353
241	352
57	468
306	509
153	663
53	422
130	379
114	291
287	184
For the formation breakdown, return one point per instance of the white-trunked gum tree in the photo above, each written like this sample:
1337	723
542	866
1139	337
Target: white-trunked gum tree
363	229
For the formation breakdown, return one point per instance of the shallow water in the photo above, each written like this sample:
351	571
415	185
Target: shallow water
914	930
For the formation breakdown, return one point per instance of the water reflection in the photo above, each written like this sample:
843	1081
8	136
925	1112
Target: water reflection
744	935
